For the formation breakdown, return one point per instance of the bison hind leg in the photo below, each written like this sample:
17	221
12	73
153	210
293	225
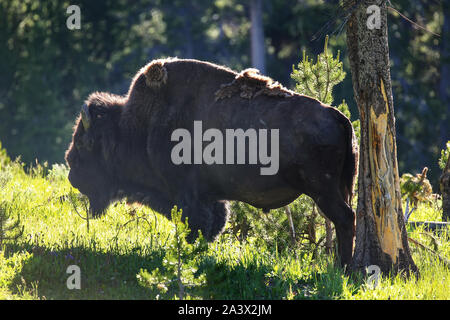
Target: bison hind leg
209	217
334	207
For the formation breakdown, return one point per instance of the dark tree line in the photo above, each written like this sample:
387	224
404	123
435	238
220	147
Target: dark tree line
48	70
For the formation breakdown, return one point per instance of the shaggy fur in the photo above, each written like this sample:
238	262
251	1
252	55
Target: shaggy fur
249	84
126	150
155	74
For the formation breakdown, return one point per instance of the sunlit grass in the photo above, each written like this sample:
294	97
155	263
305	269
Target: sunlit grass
112	252
428	212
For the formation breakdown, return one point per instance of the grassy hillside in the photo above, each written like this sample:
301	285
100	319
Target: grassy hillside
132	253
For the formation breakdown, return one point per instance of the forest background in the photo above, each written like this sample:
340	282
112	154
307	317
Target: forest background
47	70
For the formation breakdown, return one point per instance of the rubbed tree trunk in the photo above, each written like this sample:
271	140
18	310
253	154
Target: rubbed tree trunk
444	184
381	237
257	36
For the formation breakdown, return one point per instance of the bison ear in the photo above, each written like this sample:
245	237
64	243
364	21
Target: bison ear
155	74
85	117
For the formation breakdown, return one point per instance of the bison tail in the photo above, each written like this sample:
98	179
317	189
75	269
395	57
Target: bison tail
350	169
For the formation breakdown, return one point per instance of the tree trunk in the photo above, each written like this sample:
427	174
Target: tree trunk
444	184
381	237
444	93
257	36
444	84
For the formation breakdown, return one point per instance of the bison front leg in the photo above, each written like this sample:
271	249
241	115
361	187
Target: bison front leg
209	217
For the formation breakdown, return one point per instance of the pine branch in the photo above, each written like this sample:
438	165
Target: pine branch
412	22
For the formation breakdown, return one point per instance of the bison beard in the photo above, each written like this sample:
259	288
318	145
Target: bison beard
121	147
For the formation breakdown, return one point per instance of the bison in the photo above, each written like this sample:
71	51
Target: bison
123	146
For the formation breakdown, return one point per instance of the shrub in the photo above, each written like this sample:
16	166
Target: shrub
10	229
444	156
58	172
415	189
179	263
4	159
273	230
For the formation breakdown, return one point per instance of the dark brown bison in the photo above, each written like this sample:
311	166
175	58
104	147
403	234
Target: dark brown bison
123	147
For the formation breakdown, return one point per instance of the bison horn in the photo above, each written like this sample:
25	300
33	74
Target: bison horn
85	117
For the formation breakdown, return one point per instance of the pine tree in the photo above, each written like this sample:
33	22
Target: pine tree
179	263
10	229
318	79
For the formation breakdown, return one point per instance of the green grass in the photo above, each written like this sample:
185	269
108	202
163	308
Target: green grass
117	255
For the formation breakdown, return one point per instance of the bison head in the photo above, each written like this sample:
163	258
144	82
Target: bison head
92	145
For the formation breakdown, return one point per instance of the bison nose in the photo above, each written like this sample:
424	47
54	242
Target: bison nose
70	177
71	180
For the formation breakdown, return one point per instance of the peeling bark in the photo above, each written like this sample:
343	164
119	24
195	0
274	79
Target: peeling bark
381	237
